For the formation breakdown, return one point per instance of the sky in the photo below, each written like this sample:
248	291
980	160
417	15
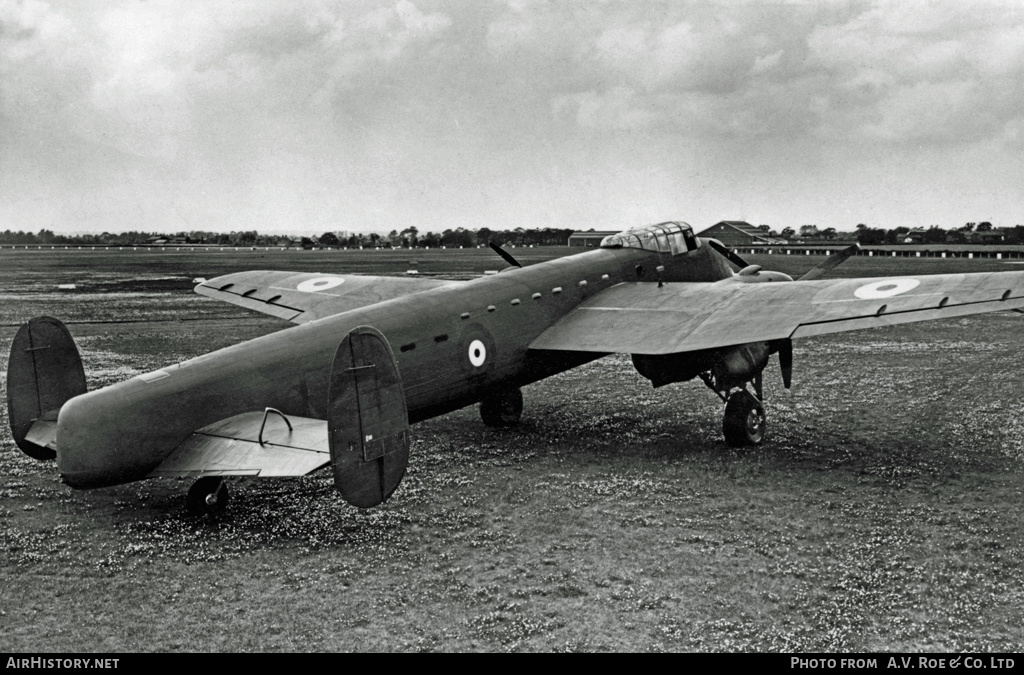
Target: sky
307	116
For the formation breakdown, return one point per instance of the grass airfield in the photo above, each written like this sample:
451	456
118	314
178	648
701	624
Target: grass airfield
883	512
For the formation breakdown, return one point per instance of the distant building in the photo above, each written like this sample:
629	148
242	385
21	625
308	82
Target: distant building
915	236
163	240
738	233
996	235
591	239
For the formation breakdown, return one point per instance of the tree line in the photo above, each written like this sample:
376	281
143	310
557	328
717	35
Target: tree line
970	233
409	237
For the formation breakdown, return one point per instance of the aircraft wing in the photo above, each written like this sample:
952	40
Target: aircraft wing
304	297
643	318
232	447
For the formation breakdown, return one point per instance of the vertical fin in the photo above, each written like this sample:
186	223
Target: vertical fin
43	373
367	419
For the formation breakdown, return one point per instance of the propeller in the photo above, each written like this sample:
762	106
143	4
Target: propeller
729	255
785	349
506	256
830	263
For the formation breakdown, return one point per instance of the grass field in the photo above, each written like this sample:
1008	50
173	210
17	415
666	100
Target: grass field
883	512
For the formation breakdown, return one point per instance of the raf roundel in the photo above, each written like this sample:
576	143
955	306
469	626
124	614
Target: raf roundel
319	284
477	353
886	288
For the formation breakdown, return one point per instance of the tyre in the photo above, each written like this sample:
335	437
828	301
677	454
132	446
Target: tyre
207	496
744	422
502	409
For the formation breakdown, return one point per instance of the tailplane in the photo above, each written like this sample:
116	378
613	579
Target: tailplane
44	372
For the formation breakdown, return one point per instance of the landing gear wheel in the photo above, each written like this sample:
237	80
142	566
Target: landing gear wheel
207	496
502	409
744	422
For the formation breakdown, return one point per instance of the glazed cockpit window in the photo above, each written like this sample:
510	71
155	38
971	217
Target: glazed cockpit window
669	237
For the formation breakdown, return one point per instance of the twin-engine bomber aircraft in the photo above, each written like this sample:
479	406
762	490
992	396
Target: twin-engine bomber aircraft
372	355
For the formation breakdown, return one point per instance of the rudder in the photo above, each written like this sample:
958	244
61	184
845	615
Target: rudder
44	371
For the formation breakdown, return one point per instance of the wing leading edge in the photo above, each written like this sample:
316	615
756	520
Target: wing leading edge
301	298
643	318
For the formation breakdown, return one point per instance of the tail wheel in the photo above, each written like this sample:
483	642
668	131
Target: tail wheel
207	496
502	409
744	422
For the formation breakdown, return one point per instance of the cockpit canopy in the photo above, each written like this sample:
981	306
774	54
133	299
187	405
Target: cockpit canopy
668	237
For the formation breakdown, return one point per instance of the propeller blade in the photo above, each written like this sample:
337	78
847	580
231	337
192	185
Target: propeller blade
786	361
730	256
830	263
504	254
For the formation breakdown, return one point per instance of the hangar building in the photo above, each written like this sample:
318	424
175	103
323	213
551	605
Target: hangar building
738	233
591	239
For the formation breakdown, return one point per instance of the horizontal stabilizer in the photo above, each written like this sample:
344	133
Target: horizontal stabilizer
43	434
304	297
251	444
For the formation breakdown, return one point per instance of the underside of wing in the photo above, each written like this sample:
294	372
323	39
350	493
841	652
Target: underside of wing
645	318
304	297
251	444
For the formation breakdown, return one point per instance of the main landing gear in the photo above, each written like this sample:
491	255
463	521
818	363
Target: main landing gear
502	409
744	423
207	496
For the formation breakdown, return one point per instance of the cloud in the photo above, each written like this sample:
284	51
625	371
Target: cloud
418	106
869	72
620	108
143	71
910	73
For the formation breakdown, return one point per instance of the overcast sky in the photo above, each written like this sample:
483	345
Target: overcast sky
308	116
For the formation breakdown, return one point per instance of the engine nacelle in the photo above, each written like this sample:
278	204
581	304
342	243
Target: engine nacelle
728	367
740	364
665	369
